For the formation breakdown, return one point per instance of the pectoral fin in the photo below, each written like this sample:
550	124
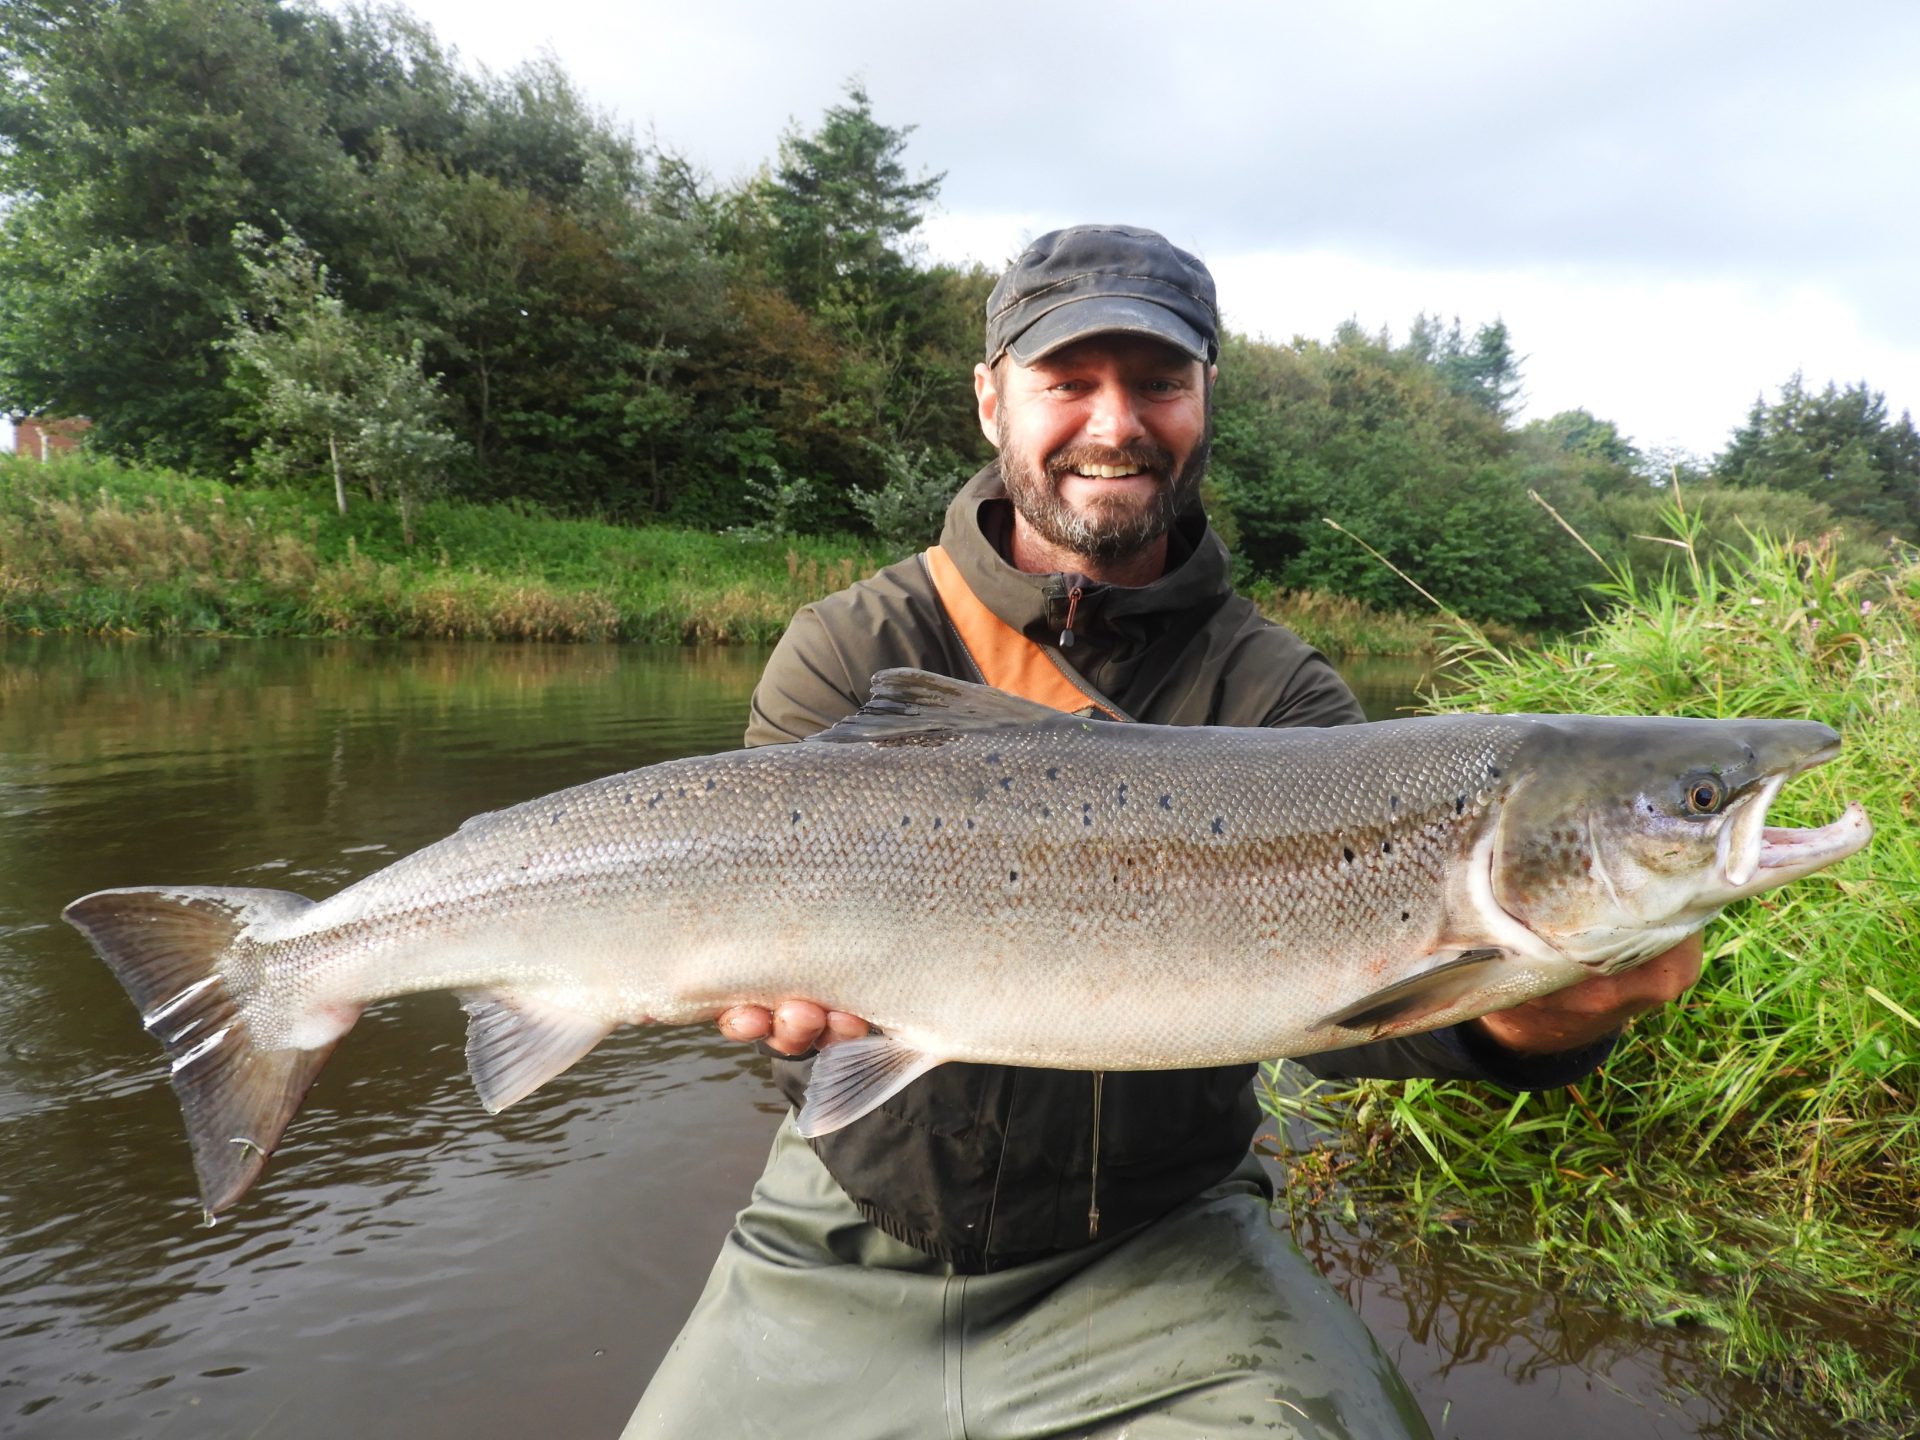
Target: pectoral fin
1405	1001
518	1042
851	1077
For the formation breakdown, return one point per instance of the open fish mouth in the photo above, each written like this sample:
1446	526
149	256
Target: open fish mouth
1808	850
1751	849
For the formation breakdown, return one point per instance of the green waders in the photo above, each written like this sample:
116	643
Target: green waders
1207	1322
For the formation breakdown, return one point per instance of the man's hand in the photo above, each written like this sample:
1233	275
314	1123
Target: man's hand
792	1027
1584	1013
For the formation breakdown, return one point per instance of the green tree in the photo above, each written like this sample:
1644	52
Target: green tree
322	379
1836	446
301	357
1376	437
135	135
841	206
1483	369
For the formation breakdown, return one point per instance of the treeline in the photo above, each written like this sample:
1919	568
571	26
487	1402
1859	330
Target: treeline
260	239
605	329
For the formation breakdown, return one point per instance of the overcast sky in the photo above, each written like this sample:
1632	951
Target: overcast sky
1673	206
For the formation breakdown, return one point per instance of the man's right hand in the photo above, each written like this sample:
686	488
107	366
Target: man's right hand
792	1027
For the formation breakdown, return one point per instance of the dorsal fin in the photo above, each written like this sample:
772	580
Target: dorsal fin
913	703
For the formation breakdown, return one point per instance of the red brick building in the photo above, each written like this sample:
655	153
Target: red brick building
41	437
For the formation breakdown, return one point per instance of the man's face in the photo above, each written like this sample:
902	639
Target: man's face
1102	444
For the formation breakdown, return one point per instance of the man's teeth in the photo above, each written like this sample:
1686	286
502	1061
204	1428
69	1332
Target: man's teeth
1109	472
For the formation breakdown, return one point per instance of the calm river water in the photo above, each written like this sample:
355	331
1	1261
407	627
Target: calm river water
411	1266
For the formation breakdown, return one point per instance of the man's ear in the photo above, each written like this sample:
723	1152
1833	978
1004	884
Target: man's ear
987	397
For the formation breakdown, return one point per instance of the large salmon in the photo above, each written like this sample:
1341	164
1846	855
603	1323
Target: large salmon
989	880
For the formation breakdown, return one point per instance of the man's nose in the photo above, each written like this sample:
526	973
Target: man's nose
1115	417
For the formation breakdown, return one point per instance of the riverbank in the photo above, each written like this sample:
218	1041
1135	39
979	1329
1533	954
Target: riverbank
1746	1163
90	546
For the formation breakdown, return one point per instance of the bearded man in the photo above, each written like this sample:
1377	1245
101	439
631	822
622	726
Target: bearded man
1000	1252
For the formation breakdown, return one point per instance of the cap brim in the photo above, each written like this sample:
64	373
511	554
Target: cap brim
1105	315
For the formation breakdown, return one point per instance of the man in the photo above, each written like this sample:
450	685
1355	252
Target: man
999	1252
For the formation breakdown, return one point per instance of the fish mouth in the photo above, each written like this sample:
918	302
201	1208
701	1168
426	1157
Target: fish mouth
1802	851
1752	850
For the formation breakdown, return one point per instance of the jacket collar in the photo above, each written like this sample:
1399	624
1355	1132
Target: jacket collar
979	523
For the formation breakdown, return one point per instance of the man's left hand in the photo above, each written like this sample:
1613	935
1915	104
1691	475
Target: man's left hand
1593	1009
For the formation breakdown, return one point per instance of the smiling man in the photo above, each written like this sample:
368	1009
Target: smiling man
1000	1252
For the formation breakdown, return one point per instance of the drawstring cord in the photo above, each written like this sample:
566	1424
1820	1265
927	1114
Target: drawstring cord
1073	604
1093	1185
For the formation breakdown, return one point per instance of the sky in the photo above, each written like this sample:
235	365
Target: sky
1673	206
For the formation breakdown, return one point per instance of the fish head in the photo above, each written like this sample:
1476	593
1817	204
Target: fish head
1621	836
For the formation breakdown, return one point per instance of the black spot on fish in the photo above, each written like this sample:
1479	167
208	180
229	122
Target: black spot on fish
1347	852
1459	804
936	822
1405	915
1386	847
1219	825
994	758
1006	782
1120	795
681	793
1045	813
1012	876
629	798
1166	802
1493	771
1085	818
796	817
1053	772
656	799
969	822
905	820
1393	802
709	784
558	816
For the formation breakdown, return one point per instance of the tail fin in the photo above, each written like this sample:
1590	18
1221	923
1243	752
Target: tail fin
171	949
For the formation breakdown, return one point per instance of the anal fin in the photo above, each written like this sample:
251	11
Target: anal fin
1399	1005
516	1042
851	1077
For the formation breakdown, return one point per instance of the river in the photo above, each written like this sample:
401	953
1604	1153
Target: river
411	1266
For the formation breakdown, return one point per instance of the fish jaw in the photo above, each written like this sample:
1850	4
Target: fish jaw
1786	854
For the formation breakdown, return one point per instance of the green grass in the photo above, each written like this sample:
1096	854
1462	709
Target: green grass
1749	1160
93	546
90	545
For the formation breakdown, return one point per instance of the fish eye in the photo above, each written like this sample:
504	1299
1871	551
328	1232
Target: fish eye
1705	795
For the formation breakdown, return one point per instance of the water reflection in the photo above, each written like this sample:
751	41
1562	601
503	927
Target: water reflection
411	1265
1500	1357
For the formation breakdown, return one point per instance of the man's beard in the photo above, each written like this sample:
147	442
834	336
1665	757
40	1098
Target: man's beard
1111	527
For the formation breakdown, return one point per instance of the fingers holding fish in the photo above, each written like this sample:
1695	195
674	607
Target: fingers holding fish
1581	1014
793	1027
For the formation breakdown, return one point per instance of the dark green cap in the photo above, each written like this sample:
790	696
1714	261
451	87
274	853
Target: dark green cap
1102	280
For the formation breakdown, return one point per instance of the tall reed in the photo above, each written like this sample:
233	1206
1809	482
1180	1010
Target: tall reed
1748	1159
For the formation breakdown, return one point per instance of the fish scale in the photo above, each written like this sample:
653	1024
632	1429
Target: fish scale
985	880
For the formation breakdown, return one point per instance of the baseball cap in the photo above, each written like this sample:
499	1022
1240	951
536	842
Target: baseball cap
1102	280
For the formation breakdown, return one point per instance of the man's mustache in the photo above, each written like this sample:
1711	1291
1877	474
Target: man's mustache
1123	457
